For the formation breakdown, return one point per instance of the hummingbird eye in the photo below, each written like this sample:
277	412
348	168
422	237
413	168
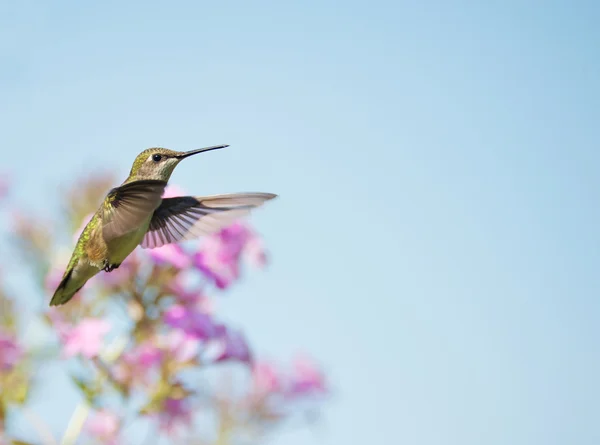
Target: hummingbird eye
156	158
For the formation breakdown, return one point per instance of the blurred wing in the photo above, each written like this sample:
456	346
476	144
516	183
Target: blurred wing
127	207
188	217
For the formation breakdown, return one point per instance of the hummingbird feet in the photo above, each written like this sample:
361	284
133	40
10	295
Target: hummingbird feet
109	267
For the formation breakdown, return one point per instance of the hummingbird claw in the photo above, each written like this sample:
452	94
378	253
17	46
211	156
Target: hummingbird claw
110	267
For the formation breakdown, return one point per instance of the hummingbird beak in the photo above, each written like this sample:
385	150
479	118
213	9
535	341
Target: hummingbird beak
199	150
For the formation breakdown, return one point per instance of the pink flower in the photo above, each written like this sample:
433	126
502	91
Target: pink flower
190	296
147	355
183	347
10	352
190	320
4	187
265	379
86	338
175	413
228	345
57	320
306	378
172	255
254	252
104	425
137	364
220	255
172	191
185	295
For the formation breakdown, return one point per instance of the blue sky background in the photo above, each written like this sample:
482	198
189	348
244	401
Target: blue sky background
436	241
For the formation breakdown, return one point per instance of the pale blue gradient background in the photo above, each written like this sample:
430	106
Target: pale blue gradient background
436	241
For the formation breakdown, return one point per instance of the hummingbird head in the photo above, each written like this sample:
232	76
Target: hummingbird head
159	163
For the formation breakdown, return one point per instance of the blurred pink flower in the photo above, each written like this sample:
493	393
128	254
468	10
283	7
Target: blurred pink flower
57	320
190	320
265	379
172	191
306	378
172	255
10	352
254	252
142	357
84	222
184	294
29	228
175	413
4	185
138	364
148	355
190	296
86	338
183	347
104	425
220	254
228	344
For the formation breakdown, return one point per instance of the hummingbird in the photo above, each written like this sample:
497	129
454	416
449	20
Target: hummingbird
135	213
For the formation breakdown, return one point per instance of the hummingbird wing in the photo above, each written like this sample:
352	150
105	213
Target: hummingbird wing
128	206
188	217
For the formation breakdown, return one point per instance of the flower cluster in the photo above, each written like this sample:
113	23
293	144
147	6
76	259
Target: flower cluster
141	336
273	388
10	352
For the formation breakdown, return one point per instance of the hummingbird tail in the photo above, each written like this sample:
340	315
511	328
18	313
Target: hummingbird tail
62	294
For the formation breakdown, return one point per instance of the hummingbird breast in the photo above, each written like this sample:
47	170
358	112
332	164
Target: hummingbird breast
120	248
